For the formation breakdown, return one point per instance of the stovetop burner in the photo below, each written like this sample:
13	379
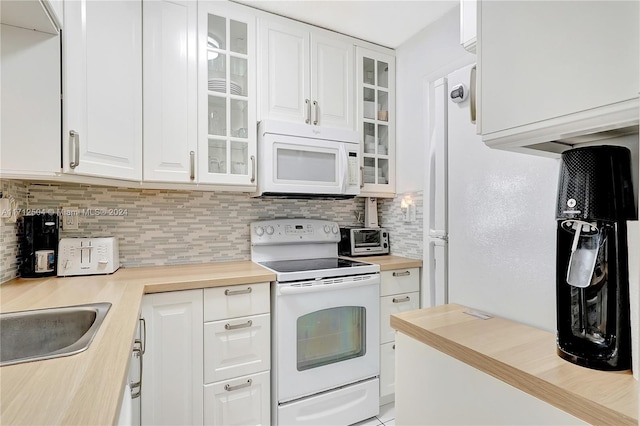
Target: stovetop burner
311	264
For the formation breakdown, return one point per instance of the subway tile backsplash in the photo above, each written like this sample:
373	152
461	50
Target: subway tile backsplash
161	227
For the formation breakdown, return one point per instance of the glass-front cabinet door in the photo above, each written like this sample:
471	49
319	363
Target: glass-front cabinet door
376	120
227	94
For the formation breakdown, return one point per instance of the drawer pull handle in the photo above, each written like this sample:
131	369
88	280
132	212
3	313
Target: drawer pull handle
403	299
402	274
394	347
230	388
236	326
236	292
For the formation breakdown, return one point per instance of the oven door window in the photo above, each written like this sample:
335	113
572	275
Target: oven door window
330	335
365	238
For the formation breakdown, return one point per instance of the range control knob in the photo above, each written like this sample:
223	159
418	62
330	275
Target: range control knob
327	228
259	231
270	230
334	229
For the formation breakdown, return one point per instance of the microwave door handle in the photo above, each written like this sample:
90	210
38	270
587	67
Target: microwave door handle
343	169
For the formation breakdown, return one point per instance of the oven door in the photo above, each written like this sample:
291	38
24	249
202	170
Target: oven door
326	334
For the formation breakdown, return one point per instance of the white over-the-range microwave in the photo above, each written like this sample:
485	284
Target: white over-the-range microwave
300	160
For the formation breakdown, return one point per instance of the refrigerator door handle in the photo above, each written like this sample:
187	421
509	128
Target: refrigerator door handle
438	234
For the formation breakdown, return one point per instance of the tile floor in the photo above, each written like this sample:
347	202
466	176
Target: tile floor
387	417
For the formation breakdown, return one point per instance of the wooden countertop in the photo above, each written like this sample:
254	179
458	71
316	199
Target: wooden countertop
525	357
391	262
86	388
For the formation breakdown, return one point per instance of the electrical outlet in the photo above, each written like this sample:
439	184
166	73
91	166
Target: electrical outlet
70	219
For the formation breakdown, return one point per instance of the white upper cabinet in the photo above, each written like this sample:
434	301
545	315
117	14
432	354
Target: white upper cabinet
549	71
102	86
376	79
227	137
468	24
307	74
170	90
30	119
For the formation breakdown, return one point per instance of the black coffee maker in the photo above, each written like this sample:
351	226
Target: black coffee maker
39	245
595	199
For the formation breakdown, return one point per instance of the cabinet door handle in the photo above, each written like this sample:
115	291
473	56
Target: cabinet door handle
192	165
315	109
402	274
402	299
361	176
472	94
136	388
308	104
237	326
144	335
230	388
74	148
236	292
253	168
394	347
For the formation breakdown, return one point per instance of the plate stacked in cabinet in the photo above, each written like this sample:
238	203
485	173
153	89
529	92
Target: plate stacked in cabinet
399	292
237	355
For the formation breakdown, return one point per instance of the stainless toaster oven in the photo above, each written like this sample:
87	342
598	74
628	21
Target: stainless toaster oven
359	241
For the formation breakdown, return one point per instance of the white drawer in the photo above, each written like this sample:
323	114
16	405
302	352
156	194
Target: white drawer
387	372
399	281
239	401
236	347
390	305
236	301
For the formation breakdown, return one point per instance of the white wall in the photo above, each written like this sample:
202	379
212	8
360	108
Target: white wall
436	49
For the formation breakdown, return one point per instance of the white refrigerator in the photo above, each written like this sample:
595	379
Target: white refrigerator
490	226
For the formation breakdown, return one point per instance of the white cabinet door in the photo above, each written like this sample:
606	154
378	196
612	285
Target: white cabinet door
285	90
547	75
387	372
236	347
240	401
307	74
468	19
172	376
170	90
390	305
332	80
376	81
102	88
227	99
30	119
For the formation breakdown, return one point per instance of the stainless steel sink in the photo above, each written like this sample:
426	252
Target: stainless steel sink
49	333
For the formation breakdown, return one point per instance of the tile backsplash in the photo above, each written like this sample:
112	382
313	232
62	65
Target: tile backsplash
161	227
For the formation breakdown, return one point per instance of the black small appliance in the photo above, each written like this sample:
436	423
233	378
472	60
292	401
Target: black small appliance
595	199
39	245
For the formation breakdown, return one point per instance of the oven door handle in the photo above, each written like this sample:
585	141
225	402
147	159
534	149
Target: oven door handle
317	287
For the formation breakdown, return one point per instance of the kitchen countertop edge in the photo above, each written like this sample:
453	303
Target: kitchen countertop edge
93	393
569	387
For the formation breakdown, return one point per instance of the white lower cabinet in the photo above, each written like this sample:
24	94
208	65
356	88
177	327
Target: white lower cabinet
236	347
215	372
239	401
237	355
172	374
399	292
436	389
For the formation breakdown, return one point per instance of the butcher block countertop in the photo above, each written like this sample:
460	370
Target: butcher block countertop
86	388
525	358
390	262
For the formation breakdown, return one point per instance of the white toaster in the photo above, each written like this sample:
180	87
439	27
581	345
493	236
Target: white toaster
88	256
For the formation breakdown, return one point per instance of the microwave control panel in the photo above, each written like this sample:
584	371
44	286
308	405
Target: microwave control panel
353	168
